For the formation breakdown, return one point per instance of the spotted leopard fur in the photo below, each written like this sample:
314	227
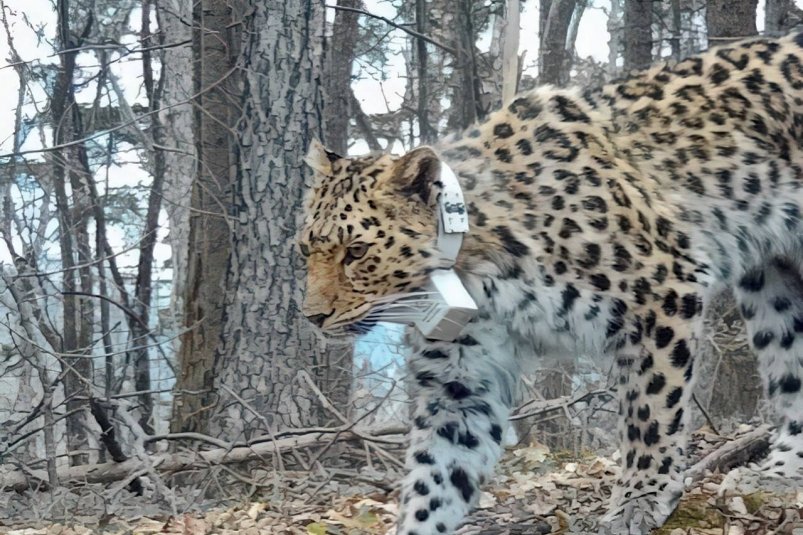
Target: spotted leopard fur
601	222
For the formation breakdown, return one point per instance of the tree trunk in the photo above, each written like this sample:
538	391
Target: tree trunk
216	42
178	125
510	50
730	383
730	20
780	16
426	133
554	19
466	103
574	27
266	340
677	29
638	34
616	41
340	58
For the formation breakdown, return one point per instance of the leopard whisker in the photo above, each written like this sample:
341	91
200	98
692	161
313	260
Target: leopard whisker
399	297
405	304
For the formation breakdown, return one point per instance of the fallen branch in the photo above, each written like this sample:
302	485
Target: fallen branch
539	407
734	453
168	463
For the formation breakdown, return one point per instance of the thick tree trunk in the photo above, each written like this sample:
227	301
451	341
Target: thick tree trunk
638	34
266	340
554	19
340	58
178	126
730	20
216	42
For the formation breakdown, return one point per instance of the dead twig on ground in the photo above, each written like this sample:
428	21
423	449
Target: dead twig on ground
167	463
734	453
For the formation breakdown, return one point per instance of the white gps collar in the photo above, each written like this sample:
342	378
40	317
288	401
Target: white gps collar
453	216
444	314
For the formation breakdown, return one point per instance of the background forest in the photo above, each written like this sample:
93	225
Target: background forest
153	358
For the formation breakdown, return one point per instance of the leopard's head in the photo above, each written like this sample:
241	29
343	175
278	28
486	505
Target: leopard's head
369	234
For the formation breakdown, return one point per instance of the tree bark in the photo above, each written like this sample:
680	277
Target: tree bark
179	162
780	16
266	339
510	50
574	27
677	29
467	103
426	133
730	383
554	19
730	20
340	59
616	41
216	44
638	34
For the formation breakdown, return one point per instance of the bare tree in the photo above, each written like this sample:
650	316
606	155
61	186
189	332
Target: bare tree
677	28
266	341
616	41
555	18
216	41
180	160
426	133
637	34
504	51
780	16
730	20
467	102
339	63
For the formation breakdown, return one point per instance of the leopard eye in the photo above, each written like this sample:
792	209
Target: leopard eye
356	251
304	249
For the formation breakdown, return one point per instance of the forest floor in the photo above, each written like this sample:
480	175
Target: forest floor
535	492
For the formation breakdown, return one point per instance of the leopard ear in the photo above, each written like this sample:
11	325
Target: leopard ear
319	158
416	174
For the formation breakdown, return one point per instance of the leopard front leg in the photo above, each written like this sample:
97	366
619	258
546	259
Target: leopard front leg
462	400
655	385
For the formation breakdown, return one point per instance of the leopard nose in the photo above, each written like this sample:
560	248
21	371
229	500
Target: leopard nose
318	319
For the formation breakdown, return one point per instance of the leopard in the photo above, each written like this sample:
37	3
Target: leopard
602	221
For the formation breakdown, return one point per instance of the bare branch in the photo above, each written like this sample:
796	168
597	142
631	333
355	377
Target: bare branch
389	22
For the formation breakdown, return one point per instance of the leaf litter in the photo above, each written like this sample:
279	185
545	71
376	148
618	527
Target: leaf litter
535	491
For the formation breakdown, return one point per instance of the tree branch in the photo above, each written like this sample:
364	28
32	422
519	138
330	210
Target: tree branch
171	463
389	22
